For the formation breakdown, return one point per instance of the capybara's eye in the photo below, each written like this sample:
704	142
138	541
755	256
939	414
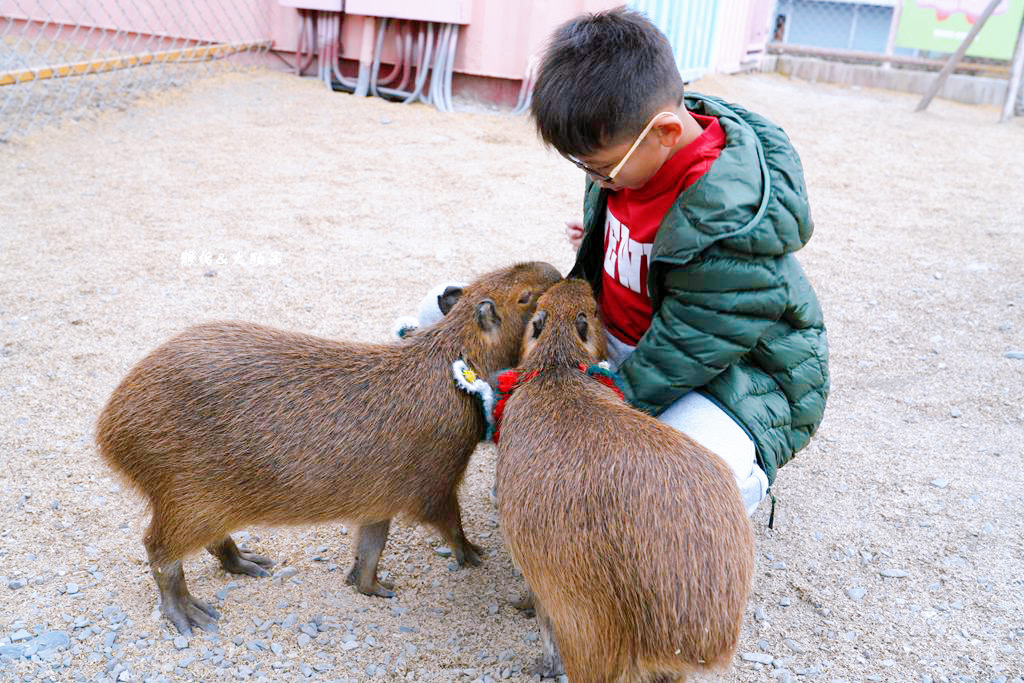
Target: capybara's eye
582	326
538	323
525	297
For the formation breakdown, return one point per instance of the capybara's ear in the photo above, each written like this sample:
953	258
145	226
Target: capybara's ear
582	326
447	299
540	319
487	315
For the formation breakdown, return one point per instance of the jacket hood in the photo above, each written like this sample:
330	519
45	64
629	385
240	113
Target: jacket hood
755	207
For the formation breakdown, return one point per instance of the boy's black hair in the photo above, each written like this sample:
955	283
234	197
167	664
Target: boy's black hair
601	78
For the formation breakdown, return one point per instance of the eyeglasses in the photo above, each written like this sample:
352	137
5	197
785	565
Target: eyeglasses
610	178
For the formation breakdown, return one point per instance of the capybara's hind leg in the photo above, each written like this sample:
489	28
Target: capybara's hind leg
178	605
239	561
370	544
448	521
549	665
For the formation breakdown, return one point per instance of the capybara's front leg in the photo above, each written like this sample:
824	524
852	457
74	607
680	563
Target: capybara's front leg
549	665
239	561
370	544
449	523
178	605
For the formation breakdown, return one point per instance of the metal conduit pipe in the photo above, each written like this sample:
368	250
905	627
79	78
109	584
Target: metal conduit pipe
399	93
526	89
422	65
430	97
307	37
442	66
398	65
406	56
347	84
450	68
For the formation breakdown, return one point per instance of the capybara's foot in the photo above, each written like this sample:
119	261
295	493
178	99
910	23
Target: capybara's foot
178	605
548	667
525	605
239	561
468	553
382	589
372	538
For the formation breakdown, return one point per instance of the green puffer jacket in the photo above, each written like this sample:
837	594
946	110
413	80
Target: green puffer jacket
734	316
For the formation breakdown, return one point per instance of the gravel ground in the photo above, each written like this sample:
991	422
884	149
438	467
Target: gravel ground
39	103
897	552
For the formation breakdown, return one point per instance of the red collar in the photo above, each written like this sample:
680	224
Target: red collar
510	380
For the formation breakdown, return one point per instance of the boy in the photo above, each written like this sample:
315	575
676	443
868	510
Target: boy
693	210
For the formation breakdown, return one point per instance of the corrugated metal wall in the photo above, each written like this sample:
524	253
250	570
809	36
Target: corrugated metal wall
710	35
690	26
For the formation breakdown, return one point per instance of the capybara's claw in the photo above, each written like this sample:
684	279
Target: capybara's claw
377	588
382	589
470	554
251	564
190	612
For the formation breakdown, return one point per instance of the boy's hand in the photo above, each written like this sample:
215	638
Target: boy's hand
574	231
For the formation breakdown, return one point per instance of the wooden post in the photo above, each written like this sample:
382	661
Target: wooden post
1016	76
894	24
957	56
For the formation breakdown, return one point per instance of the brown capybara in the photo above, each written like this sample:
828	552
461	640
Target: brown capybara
232	424
632	537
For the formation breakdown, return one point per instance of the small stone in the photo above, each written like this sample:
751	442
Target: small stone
940	483
286	573
304	639
309	629
255	646
531	637
794	646
894	573
856	593
16	584
71	588
757	657
443	551
1015	355
492	608
759	614
14	651
20	634
785	602
955	412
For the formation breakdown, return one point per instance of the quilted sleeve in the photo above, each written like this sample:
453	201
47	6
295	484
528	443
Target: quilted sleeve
712	312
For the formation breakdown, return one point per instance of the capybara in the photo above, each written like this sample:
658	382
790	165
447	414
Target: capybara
231	424
632	537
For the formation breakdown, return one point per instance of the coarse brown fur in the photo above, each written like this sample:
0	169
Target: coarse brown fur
632	537
232	424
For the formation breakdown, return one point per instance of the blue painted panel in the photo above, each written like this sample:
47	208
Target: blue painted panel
690	28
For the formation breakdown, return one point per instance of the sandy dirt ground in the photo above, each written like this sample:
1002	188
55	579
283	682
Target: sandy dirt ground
898	547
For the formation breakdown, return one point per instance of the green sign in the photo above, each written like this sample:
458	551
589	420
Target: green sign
941	25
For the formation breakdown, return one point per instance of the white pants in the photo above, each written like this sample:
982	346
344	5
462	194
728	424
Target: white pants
692	414
710	426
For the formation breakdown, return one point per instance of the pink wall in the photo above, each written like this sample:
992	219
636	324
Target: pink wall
498	41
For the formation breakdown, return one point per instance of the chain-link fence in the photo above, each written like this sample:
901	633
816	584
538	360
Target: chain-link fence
67	58
901	35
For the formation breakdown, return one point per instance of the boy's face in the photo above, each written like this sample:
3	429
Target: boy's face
632	162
